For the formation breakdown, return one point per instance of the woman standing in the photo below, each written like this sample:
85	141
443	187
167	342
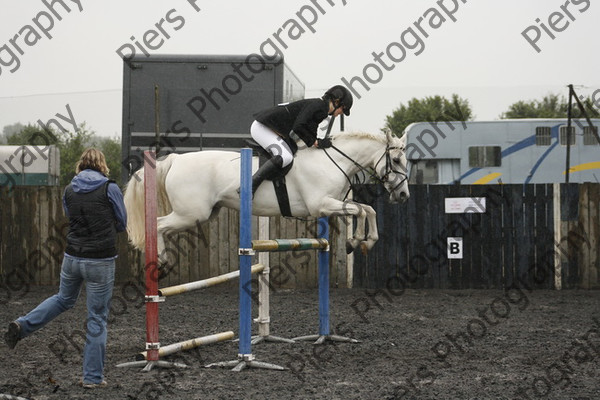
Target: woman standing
94	206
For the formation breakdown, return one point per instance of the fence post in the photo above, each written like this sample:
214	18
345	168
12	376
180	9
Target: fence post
557	222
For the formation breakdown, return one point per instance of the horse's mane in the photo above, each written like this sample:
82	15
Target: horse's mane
359	135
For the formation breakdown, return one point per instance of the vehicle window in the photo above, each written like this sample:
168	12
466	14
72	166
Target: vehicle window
543	136
485	156
563	135
589	135
424	172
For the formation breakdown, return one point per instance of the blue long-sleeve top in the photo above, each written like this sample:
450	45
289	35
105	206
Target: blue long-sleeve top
89	180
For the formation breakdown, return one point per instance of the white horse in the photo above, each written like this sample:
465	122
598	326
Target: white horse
192	187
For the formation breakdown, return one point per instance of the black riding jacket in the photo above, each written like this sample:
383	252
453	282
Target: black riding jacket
302	116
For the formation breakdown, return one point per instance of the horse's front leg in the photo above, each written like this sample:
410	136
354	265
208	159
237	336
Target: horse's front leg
359	232
348	208
373	235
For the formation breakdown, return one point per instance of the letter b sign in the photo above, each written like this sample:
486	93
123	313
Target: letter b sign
455	247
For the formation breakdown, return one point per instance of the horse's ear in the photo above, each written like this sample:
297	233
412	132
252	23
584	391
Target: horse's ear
389	135
403	139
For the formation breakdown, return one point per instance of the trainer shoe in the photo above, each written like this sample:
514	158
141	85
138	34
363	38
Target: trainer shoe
13	334
94	385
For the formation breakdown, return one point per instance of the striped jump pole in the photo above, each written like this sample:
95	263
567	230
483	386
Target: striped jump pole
216	280
245	357
151	357
276	245
189	344
324	331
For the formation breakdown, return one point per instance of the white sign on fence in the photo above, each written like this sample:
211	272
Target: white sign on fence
460	205
455	247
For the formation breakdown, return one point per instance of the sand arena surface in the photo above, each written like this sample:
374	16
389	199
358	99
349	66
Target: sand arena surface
417	344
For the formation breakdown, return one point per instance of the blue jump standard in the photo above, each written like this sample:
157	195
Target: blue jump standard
324	333
245	357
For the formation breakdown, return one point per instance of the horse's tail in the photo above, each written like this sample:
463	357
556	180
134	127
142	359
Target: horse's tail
136	205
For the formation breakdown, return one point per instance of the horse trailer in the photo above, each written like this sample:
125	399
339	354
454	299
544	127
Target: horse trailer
505	151
183	103
29	165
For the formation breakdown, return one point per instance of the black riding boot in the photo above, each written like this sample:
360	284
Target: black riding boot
266	171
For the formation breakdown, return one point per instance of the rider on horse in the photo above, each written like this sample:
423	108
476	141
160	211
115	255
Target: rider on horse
278	129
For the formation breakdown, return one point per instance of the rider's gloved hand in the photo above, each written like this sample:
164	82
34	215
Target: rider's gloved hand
324	143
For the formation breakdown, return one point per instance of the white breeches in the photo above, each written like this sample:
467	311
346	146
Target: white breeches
271	142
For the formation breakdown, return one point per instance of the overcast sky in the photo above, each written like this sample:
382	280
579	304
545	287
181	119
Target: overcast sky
401	49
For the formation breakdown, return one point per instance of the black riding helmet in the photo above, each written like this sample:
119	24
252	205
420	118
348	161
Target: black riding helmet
339	92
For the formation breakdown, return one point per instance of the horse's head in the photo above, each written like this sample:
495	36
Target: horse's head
394	173
384	154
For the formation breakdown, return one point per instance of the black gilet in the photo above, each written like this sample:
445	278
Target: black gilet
92	230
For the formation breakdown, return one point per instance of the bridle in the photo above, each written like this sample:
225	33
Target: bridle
389	167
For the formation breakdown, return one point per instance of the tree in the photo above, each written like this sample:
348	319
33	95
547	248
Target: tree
73	144
551	106
70	145
429	109
31	135
111	147
10	130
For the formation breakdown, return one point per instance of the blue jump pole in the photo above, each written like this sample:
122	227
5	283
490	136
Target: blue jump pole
245	254
323	233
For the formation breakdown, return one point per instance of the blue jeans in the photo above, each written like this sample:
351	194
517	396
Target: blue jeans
99	275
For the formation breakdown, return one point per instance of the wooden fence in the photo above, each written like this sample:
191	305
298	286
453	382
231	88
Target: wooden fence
534	235
539	236
33	229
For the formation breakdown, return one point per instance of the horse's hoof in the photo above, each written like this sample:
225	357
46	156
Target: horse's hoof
364	248
163	271
349	248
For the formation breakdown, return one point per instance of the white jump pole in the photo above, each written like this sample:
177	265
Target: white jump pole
190	344
263	320
216	280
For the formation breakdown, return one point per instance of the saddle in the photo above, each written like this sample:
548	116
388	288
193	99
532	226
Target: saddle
278	179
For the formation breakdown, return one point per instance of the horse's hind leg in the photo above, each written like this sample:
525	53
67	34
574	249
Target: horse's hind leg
170	223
